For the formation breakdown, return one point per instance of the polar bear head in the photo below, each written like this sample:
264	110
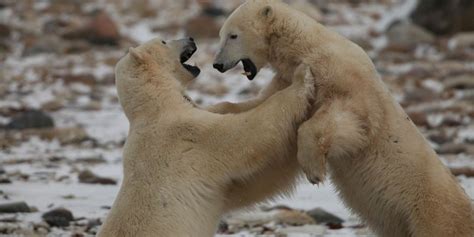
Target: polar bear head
244	37
149	72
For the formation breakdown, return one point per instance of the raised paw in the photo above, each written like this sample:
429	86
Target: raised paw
313	168
311	157
304	76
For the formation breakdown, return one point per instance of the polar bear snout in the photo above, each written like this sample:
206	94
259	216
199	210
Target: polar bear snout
186	48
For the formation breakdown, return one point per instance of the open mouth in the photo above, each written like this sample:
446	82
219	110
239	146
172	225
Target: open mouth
249	68
185	56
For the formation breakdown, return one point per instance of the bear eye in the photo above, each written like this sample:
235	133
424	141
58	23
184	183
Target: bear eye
233	36
163	42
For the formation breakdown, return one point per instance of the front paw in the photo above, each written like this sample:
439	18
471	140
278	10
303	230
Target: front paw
311	157
313	167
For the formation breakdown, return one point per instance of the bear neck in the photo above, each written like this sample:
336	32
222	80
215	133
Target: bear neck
152	101
288	40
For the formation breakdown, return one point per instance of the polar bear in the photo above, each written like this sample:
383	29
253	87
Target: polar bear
382	166
182	163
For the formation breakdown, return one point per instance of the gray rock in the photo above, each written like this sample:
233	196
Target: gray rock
14	207
4	180
4	31
445	17
404	34
439	138
223	227
46	44
59	217
451	148
31	119
322	216
465	81
88	177
92	224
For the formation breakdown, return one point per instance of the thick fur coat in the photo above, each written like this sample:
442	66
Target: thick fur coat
382	166
184	166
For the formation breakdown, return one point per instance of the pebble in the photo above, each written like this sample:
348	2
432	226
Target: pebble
451	148
100	29
31	119
63	135
408	35
202	27
419	118
461	82
294	218
88	177
4	31
322	216
444	17
59	217
14	207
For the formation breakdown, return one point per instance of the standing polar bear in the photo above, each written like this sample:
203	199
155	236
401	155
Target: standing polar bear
382	166
183	165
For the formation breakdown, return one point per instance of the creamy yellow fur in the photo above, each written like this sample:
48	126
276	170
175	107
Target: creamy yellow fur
183	166
382	166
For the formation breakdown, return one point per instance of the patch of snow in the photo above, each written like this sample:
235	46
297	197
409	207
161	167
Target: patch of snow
433	85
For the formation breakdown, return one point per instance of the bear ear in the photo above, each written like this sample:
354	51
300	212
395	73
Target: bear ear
267	12
135	55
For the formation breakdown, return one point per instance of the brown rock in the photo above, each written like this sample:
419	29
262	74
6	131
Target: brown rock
88	177
86	79
439	138
63	135
100	29
103	29
293	217
59	217
420	95
4	31
451	148
419	118
14	207
445	17
46	44
465	81
407	35
466	171
202	27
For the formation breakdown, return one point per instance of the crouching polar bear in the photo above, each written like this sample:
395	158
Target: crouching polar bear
381	165
183	166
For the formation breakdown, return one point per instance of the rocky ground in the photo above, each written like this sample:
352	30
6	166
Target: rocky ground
62	129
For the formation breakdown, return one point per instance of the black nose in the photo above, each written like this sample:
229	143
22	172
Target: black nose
219	67
191	39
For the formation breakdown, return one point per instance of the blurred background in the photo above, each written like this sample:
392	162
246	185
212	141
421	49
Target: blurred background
62	129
